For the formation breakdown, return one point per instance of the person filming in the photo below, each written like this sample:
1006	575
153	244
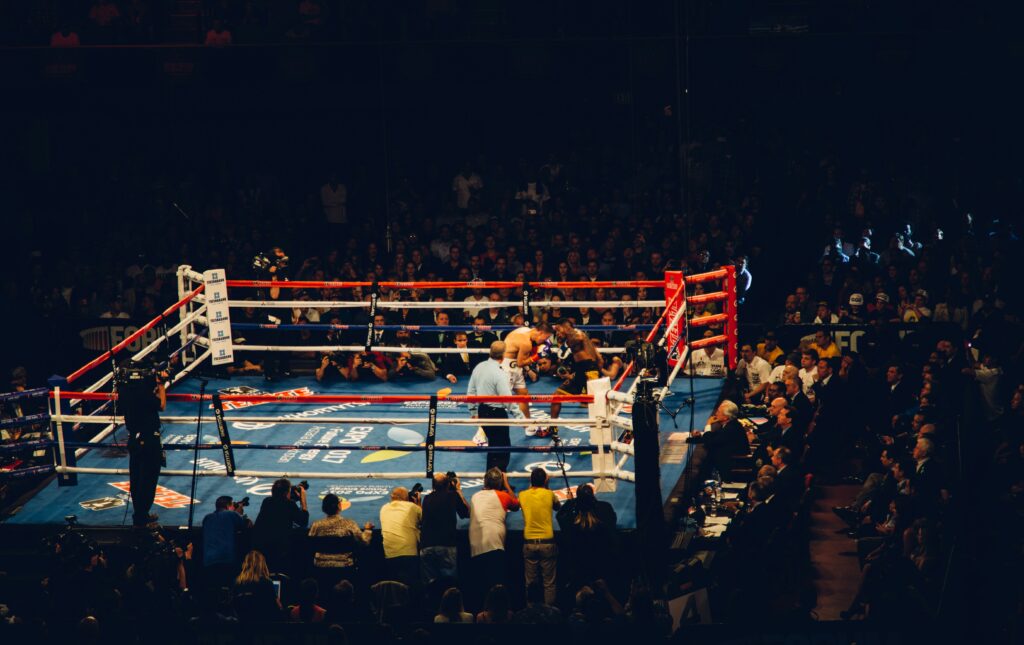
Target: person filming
141	397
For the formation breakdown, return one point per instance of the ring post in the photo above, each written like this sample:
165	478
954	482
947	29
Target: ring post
64	458
603	461
225	438
732	323
431	435
374	297
527	319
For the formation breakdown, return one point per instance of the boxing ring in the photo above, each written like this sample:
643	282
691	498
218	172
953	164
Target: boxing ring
356	439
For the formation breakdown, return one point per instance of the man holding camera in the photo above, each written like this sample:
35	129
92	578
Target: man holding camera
272	532
400	532
220	540
141	398
441	510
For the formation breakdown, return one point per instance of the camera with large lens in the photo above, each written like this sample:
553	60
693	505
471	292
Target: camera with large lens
451	477
303	485
641	353
135	374
263	261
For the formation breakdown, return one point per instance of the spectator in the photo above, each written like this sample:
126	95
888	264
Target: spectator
540	553
757	372
334	201
487	527
307	611
400	528
724	436
278	514
221	530
441	510
588	525
708	361
769	350
335	562
497	607
451	609
255	597
455	365
538	610
466	186
825	345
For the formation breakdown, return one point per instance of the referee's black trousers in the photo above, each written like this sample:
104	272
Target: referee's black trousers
497	436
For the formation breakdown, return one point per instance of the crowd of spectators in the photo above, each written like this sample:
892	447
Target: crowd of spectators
919	405
242	574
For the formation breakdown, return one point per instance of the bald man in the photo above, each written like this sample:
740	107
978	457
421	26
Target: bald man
400	527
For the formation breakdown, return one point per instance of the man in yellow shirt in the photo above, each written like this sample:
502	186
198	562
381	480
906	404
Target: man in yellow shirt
824	345
400	529
769	350
540	554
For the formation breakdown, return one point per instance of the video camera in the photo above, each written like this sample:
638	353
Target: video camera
263	261
141	374
642	354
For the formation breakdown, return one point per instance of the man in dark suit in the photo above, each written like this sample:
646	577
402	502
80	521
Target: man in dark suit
480	339
826	431
803	409
724	439
750	530
927	480
786	434
438	338
897	398
456	366
789	481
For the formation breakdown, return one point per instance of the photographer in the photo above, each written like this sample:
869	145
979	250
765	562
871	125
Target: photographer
367	364
400	530
221	530
441	510
273	266
412	365
278	514
333	367
141	397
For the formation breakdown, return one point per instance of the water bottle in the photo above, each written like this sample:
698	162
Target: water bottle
718	490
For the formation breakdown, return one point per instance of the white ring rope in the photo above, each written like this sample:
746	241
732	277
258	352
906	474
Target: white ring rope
460	304
322	475
118	419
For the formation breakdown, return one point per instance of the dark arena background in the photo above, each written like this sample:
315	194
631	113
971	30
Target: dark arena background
750	265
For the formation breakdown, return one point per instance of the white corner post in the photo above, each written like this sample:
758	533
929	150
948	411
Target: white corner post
602	461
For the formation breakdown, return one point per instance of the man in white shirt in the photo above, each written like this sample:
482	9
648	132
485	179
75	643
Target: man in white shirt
756	370
477	301
488	509
708	361
466	184
400	530
808	371
333	199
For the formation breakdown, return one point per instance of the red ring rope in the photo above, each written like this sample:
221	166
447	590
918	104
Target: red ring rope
130	339
319	284
351	398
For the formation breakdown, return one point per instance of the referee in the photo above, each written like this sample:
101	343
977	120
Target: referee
488	379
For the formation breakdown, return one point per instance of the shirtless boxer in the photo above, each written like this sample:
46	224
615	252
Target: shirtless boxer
586	364
521	350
